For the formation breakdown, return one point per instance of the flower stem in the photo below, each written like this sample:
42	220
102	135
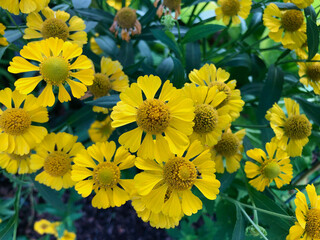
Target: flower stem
16	209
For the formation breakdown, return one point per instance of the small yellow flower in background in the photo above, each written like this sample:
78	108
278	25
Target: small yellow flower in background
117	4
68	236
229	148
15	163
59	63
209	76
55	24
43	226
25	6
94	46
209	121
309	73
18	115
308	216
275	166
100	131
166	185
300	3
168	6
126	19
171	115
292	131
96	169
3	40
232	10
54	156
286	26
0	220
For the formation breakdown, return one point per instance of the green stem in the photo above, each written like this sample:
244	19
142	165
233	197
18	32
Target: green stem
14	22
16	209
251	126
192	14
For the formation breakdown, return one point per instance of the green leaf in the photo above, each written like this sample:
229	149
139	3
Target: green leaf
165	68
126	54
178	73
286	5
2	50
202	31
241	60
159	34
193	56
97	15
106	101
311	110
6	232
238	231
312	37
108	45
81	3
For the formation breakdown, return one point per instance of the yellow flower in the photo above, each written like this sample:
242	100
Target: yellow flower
95	169
54	156
55	24
170	115
209	120
3	40
68	236
308	216
166	185
58	64
266	169
300	3
94	46
100	131
292	131
15	163
25	6
43	226
167	6
18	113
209	76
286	26
126	19
309	73
229	148
117	4
232	10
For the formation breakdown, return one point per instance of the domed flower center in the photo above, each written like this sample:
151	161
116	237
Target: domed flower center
228	145
230	7
54	27
206	118
172	4
297	127
153	116
272	170
101	85
292	20
15	121
313	72
106	175
126	18
55	70
179	173
313	223
57	164
222	87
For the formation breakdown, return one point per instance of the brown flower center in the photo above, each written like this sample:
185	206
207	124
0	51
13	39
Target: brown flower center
15	121
292	20
57	164
230	7
101	85
297	127
126	18
313	223
54	27
172	4
206	118
228	145
313	72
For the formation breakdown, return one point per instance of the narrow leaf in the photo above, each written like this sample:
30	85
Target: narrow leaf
238	231
178	73
202	31
159	34
193	56
312	37
311	110
106	101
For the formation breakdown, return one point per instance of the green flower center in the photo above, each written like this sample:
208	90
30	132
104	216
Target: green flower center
101	85
153	116
55	70
313	223
230	7
15	121
179	173
292	20
126	18
54	27
272	170
228	145
313	72
106	175
206	118
297	127
172	4
57	164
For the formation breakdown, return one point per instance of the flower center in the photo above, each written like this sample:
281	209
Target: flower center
313	223
272	170
228	145
297	127
15	121
55	70
222	87
126	18
172	4
55	28
313	72
206	118
106	175
57	164
179	173
101	85
153	116
230	7
292	20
